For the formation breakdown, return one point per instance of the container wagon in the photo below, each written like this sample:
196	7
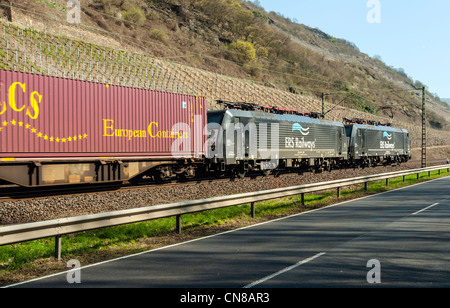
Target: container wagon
62	131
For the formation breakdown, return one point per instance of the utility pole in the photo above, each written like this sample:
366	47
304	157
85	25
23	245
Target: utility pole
323	105
424	130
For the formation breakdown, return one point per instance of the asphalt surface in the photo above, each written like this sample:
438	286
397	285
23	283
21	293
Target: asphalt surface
399	238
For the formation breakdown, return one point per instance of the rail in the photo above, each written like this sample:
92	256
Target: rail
58	227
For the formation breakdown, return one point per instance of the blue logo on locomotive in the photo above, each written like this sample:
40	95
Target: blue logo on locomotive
298	127
387	136
387	144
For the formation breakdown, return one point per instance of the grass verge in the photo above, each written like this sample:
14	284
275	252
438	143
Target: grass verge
19	262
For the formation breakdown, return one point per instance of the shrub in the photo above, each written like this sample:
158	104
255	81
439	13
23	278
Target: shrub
246	49
133	14
262	52
159	35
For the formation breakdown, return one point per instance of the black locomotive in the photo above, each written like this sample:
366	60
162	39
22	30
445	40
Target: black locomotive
245	137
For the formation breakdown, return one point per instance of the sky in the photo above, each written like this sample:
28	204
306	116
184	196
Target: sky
409	34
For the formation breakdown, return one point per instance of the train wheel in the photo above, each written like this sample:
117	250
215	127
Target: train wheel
266	172
163	173
189	173
241	174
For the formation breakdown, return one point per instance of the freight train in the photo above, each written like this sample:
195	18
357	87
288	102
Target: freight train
58	131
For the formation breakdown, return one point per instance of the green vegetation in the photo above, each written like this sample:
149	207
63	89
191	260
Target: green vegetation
246	50
96	245
159	35
261	16
133	14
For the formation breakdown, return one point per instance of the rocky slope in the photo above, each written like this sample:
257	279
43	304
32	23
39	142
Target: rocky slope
240	40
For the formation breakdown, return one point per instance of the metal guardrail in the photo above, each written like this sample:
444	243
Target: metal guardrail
58	227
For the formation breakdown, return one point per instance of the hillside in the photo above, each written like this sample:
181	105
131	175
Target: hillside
221	49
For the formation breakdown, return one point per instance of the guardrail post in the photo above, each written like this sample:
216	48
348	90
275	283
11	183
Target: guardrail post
58	247
303	199
387	182
178	224
338	192
366	186
252	210
418	175
404	178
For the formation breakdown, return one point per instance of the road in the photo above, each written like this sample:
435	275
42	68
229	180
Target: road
399	238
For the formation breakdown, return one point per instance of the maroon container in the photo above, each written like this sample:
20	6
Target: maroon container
51	117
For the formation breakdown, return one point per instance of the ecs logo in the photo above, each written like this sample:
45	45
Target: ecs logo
387	136
32	109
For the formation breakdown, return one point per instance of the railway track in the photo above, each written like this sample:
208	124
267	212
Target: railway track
429	162
16	192
10	192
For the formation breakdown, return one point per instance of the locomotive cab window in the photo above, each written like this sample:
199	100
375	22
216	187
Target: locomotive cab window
348	131
215	117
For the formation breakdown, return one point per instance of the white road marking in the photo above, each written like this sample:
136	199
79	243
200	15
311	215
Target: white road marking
226	232
424	209
287	269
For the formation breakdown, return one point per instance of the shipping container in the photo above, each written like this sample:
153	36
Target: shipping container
50	119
